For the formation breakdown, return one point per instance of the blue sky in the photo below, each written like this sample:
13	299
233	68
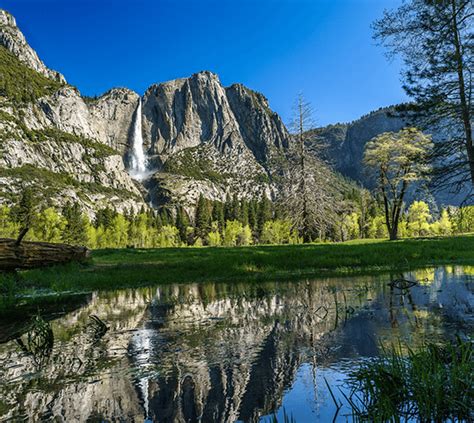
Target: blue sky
322	48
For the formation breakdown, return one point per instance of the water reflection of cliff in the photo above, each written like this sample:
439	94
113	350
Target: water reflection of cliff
215	352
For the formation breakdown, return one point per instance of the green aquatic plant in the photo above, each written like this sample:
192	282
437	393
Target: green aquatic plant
287	418
433	383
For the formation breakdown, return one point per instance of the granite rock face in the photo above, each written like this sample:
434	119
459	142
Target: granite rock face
199	137
14	40
195	129
346	142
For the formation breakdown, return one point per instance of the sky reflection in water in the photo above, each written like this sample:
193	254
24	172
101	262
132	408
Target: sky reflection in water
226	352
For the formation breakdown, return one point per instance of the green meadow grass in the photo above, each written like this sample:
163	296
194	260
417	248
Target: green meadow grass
111	269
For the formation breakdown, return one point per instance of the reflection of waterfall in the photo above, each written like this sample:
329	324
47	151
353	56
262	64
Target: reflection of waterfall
138	162
141	350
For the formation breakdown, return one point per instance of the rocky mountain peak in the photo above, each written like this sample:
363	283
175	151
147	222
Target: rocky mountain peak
13	40
198	138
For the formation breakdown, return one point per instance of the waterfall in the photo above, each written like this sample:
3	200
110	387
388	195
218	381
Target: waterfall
138	162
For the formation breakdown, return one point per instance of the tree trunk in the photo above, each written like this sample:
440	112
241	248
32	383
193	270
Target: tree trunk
465	109
29	255
394	233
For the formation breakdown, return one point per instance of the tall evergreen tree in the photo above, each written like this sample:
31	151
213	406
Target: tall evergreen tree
253	214
228	208
435	40
75	232
104	217
244	212
23	213
218	215
264	213
202	217
235	213
182	223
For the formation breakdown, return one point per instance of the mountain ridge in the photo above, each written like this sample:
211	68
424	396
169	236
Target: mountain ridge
219	141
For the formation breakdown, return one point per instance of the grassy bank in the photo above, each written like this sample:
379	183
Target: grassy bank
110	269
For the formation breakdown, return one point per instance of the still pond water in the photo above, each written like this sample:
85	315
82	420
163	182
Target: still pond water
222	352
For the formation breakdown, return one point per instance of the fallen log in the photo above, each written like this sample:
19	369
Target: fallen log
30	255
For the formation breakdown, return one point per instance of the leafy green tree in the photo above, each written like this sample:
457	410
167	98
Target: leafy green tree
418	219
464	219
245	236
91	235
233	228
214	238
8	227
398	159
443	226
117	233
139	231
350	228
434	38
75	231
277	232
377	227
49	225
168	236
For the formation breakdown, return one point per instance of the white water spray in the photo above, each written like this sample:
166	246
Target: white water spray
138	161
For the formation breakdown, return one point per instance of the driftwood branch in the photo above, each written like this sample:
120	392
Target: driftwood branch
29	255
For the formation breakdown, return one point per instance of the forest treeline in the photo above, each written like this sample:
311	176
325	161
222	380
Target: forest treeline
230	223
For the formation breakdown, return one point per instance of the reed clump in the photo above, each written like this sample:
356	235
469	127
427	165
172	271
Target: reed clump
433	383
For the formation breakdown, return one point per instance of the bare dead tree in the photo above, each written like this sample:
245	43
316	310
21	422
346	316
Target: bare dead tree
306	197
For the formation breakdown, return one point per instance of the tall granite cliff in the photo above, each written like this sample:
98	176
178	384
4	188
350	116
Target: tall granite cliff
199	137
346	143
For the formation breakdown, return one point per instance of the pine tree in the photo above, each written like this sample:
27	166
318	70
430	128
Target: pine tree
435	40
264	213
165	218
24	212
235	208
182	223
218	215
75	232
104	217
252	216
244	212
228	208
202	218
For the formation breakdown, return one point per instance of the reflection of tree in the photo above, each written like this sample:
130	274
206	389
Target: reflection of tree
264	333
208	352
67	382
38	341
